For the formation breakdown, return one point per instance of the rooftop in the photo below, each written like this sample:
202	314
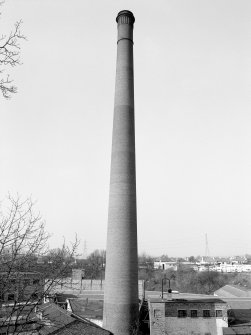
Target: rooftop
233	291
91	309
57	320
212	300
241	330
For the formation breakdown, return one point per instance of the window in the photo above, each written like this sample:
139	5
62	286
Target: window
35	281
206	313
219	313
194	313
182	313
11	296
34	296
157	313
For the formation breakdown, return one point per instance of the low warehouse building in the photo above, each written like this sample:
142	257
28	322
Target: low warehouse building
187	316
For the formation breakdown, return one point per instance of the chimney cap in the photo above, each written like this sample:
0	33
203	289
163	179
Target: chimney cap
125	13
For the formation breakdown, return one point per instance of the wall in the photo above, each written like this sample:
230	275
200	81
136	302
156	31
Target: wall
21	287
164	320
157	320
194	326
76	287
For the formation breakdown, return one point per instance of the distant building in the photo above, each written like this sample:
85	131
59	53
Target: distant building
78	274
20	294
20	286
78	287
18	318
187	316
165	265
233	266
225	267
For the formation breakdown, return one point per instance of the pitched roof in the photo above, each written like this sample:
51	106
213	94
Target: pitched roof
53	318
228	331
57	320
241	330
239	315
79	327
232	291
236	303
91	309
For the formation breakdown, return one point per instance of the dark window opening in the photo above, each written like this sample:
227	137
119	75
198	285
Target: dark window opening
11	297
182	313
34	296
206	313
194	313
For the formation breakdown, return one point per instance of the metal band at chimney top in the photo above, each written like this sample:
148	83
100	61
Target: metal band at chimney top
124	38
121	277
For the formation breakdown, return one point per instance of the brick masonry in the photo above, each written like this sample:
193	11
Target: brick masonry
164	318
121	277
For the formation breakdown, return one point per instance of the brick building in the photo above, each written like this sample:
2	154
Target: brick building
20	286
20	293
187	316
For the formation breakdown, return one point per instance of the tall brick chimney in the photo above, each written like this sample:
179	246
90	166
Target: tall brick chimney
121	275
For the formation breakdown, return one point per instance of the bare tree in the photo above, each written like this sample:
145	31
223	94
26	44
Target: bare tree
24	282
95	264
9	57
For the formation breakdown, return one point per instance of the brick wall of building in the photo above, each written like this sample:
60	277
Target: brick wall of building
164	318
171	308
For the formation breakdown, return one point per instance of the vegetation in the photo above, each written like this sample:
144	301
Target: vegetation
93	265
187	280
24	283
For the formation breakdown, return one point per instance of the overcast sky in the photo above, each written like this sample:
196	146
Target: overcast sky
193	121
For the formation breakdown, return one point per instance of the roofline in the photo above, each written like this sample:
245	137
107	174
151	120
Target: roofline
209	300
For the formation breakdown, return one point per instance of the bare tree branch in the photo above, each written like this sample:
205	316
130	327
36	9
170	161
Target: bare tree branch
9	57
23	283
